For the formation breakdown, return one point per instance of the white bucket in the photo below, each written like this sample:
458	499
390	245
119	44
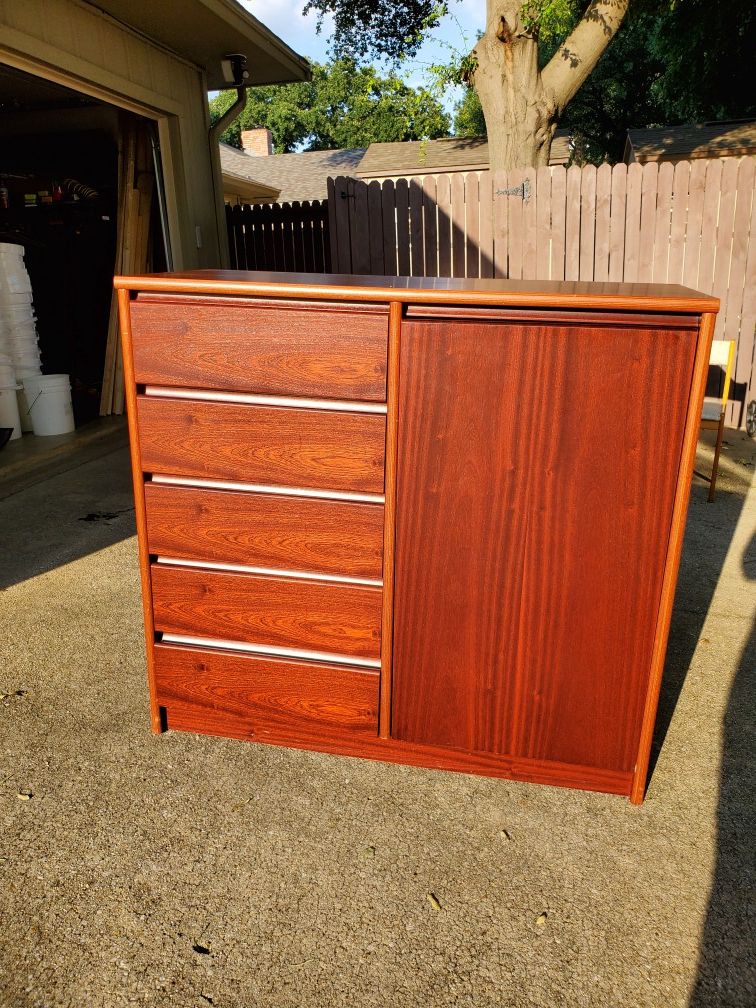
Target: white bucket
14	300
9	415
15	281
49	403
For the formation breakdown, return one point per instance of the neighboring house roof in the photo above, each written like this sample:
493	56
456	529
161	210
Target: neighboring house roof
699	140
204	31
296	176
429	157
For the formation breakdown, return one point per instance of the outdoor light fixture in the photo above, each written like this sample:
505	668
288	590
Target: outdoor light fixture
234	69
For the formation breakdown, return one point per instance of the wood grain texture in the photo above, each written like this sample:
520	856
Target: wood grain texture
392	428
532	532
124	317
262	530
339	287
311	448
255	695
274	611
249	348
672	559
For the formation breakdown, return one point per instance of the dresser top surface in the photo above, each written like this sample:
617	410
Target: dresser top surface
428	290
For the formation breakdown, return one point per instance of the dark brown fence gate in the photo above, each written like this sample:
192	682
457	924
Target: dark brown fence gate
280	236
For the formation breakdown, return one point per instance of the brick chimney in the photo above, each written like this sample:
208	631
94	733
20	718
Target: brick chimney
257	142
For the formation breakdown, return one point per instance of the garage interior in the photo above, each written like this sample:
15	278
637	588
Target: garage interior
77	191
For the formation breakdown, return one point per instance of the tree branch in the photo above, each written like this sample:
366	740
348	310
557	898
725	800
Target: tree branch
576	57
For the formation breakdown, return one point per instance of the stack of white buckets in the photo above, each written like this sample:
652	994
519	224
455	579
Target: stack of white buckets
29	400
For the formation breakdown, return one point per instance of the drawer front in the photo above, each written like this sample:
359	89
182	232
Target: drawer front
319	449
264	530
336	353
217	691
332	618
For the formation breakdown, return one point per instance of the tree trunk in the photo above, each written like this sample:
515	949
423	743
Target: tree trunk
520	116
522	104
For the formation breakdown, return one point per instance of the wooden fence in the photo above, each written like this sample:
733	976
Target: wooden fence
692	223
280	236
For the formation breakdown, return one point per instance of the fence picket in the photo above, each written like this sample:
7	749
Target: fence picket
745	370
603	223
587	221
343	247
486	218
647	222
458	224
617	223
443	198
572	225
558	207
429	226
359	230
733	308
712	193
543	223
401	193
529	225
416	227
375	228
632	222
388	208
515	181
663	222
725	226
680	198
472	225
500	221
694	223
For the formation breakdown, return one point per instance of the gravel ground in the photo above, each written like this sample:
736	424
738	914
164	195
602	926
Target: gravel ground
187	871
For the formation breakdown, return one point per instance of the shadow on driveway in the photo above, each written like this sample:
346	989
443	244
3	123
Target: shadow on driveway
66	517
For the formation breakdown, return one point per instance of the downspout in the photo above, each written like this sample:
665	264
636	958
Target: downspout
236	67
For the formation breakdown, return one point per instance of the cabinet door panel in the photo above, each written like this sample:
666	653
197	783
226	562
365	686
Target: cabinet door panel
536	477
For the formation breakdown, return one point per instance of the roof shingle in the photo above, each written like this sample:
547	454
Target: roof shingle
428	157
297	176
698	140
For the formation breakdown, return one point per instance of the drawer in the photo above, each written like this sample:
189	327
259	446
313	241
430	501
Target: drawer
328	617
220	691
265	530
309	448
334	352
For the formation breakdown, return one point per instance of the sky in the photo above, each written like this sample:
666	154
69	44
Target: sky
458	30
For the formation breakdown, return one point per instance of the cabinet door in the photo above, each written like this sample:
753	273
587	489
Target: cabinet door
536	478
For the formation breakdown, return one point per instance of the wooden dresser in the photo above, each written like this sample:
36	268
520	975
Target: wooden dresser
434	522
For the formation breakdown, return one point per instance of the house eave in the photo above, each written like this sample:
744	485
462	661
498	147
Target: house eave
204	31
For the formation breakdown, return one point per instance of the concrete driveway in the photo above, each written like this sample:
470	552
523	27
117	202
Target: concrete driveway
187	871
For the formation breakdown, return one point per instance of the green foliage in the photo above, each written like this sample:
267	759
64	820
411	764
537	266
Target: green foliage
392	29
344	105
468	116
707	58
551	20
